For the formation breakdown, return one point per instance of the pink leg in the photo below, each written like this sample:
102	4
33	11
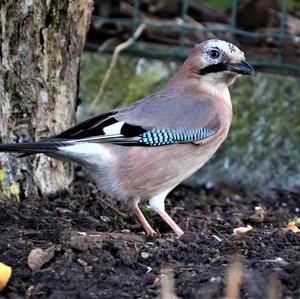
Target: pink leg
149	230
166	217
157	203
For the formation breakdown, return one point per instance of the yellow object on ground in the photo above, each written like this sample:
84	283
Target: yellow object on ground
5	273
293	227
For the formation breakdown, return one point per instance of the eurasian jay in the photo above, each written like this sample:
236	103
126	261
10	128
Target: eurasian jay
140	152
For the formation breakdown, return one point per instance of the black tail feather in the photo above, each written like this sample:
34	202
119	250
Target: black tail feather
30	148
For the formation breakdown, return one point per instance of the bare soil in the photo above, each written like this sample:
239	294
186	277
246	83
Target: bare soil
101	253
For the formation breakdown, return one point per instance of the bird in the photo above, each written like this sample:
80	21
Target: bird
140	152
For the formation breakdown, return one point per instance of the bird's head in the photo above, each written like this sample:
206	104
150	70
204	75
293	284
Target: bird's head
218	61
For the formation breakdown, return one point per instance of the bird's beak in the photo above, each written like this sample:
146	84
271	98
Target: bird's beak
242	68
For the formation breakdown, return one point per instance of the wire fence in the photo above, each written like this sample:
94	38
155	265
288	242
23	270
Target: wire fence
180	51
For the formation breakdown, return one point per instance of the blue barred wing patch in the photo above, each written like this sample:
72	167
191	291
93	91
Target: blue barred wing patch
157	137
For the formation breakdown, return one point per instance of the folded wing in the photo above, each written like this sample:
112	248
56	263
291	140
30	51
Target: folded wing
152	121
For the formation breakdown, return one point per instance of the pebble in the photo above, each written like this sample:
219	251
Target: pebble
188	237
145	255
104	218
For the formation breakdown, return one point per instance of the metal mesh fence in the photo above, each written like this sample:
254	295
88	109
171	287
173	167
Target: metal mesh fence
279	60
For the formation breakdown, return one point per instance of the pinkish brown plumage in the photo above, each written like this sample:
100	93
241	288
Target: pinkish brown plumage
142	151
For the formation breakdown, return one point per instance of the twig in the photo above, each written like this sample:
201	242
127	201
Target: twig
114	59
114	236
113	208
106	44
222	235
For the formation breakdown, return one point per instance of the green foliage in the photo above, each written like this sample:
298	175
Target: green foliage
146	210
15	190
293	5
202	199
296	220
2	175
11	189
223	5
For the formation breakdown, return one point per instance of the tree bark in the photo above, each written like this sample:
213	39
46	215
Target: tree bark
41	45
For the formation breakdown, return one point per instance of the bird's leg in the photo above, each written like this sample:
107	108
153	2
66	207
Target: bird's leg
167	218
157	203
147	227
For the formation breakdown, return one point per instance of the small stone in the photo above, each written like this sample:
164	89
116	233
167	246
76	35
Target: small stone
149	278
85	242
188	237
104	218
87	268
145	255
64	212
241	231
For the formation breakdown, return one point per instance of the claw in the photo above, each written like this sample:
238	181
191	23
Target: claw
147	227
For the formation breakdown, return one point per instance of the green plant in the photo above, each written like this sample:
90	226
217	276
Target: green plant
11	190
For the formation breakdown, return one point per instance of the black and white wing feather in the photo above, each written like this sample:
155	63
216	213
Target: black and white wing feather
156	120
108	129
152	121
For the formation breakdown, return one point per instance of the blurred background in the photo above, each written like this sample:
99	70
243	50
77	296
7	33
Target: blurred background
262	150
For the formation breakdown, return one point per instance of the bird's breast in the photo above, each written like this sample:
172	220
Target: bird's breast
147	171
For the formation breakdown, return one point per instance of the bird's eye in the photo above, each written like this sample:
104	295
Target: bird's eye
214	54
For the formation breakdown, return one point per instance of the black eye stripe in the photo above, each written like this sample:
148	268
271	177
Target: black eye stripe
215	68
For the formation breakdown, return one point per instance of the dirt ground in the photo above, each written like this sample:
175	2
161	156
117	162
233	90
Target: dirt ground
94	251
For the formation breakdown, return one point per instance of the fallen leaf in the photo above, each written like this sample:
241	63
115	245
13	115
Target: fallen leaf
293	227
240	231
38	257
5	274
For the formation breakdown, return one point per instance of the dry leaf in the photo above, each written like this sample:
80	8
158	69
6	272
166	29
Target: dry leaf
38	257
5	274
240	231
293	227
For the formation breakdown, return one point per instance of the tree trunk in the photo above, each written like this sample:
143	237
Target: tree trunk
41	44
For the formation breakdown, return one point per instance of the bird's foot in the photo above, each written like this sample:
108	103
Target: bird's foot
147	227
